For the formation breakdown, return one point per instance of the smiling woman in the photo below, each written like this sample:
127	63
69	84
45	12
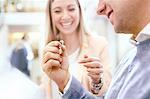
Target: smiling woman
65	22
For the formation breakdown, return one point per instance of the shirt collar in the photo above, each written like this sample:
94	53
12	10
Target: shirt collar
144	34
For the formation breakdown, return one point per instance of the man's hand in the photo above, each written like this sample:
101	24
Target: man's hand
55	63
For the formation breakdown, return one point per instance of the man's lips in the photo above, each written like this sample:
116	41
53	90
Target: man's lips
109	13
110	16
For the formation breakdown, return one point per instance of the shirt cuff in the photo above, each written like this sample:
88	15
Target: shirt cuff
67	86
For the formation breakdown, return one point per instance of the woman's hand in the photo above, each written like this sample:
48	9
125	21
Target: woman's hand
55	63
94	68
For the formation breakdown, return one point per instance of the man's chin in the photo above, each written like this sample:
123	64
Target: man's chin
118	30
121	31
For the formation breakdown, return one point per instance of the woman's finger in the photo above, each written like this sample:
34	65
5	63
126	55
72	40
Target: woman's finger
96	71
93	64
89	59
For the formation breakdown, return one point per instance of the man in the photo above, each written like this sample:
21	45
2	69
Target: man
22	55
131	80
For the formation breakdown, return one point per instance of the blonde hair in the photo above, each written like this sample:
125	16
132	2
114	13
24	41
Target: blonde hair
53	32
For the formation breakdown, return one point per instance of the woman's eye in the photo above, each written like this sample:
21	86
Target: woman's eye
57	11
72	9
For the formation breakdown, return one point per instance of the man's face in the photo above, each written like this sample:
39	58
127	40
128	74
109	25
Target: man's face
121	13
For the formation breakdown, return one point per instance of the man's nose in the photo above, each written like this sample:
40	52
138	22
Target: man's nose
101	10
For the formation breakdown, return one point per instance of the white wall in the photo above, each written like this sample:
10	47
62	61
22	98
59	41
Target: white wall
3	49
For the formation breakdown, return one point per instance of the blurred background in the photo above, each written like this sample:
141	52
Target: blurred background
27	17
19	18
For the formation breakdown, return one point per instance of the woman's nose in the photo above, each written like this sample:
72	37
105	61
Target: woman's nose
65	15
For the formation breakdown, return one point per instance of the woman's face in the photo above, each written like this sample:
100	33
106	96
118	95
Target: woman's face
65	15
